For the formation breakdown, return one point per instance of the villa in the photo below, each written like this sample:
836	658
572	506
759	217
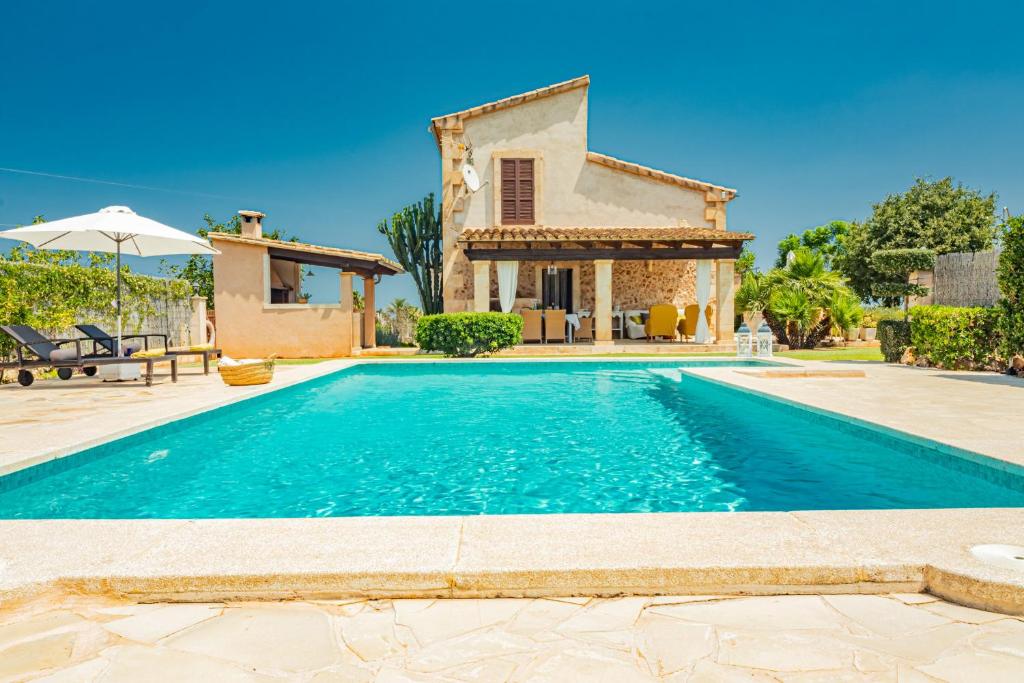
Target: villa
554	225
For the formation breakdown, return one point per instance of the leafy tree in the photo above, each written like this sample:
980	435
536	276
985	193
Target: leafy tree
198	269
745	263
826	240
415	238
940	215
1011	284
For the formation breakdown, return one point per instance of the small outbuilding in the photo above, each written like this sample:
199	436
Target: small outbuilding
258	298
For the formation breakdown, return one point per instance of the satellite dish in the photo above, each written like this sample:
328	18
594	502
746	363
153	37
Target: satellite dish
472	180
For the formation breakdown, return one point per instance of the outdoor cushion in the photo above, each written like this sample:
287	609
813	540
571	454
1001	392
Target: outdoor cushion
64	354
150	353
195	347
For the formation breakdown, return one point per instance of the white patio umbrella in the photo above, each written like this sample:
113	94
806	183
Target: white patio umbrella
116	230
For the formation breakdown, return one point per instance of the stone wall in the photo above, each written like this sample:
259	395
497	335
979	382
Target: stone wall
635	284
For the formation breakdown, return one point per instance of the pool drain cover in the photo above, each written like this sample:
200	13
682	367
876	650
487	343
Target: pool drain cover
999	555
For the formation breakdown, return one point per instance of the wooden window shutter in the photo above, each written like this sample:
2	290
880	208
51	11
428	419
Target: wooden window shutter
517	189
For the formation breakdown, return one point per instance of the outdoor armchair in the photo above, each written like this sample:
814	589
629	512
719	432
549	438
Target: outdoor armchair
662	321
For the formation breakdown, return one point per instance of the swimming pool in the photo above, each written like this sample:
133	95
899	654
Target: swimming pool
503	438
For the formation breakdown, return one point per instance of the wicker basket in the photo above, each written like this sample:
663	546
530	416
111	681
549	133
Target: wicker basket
248	374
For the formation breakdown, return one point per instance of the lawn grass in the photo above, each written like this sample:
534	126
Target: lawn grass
872	353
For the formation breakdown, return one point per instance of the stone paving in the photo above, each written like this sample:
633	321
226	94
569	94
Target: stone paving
897	637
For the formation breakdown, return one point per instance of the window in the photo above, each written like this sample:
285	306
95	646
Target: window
517	192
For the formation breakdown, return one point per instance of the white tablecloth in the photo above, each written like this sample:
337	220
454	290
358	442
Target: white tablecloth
573	320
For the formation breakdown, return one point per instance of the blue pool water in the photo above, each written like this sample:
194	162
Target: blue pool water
503	438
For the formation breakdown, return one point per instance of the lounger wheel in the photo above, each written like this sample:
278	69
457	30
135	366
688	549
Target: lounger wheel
89	371
25	378
64	373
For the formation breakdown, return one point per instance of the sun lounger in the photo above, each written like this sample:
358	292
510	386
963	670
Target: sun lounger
57	353
98	336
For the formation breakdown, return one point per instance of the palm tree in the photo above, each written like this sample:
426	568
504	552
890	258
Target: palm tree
805	273
798	310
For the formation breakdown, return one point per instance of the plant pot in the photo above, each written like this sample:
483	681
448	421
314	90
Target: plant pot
301	300
867	333
852	334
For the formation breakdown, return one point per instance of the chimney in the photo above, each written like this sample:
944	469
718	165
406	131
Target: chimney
252	223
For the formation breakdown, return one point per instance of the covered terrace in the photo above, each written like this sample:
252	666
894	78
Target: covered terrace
553	270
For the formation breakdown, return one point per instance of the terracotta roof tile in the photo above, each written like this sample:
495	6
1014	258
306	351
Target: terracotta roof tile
545	233
646	171
301	247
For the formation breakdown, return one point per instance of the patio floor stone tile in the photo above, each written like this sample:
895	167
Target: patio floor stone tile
885	617
968	667
764	612
37	654
793	638
150	626
667	646
443	619
135	663
792	651
289	638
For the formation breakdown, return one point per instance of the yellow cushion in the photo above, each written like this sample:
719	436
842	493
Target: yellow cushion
194	347
636	319
150	353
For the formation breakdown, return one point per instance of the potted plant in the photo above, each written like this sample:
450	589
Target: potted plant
868	326
302	298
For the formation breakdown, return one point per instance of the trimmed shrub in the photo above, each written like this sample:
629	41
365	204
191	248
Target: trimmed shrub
1011	284
898	264
894	336
469	334
953	337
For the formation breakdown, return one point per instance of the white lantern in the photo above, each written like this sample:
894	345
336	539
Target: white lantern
764	341
744	341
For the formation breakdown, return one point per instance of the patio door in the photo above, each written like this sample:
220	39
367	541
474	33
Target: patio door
556	289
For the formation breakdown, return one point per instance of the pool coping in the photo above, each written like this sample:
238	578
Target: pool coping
745	553
514	555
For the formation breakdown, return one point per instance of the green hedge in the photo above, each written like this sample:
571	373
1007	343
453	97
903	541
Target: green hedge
954	337
53	298
1011	283
469	334
894	337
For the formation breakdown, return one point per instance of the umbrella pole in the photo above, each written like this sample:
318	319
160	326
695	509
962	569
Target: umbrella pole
118	298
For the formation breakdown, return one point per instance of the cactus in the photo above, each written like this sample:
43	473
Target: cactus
415	238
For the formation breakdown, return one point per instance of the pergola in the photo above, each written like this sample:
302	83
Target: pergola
603	246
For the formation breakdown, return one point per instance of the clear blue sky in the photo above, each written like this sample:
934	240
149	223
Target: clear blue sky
317	113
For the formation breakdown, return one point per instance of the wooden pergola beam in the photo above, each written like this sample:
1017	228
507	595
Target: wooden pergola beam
364	268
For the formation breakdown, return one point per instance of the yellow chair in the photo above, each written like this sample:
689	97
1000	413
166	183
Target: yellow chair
661	322
688	325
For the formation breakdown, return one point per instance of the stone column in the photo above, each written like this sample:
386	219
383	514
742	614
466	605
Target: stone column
197	326
369	315
603	300
481	286
346	299
725	293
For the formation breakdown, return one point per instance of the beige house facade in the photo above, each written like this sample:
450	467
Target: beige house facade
609	235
